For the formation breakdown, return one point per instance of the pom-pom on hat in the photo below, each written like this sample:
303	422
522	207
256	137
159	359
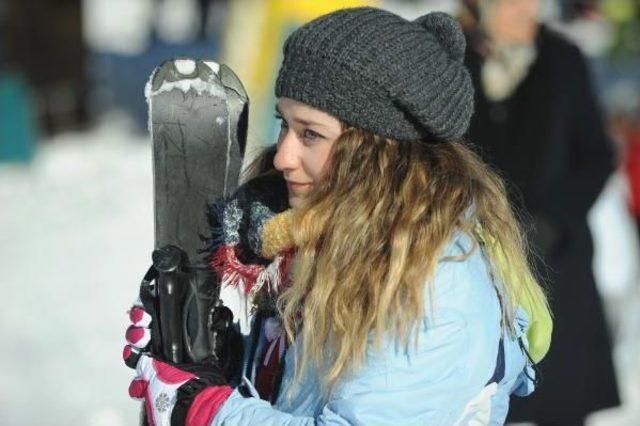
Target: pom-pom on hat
377	71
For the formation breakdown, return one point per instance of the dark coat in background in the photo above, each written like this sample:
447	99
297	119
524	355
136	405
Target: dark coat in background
548	142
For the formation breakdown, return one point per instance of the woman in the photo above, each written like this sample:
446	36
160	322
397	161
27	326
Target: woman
410	299
538	122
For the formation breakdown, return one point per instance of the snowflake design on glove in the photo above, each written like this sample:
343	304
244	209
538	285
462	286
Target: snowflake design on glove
162	402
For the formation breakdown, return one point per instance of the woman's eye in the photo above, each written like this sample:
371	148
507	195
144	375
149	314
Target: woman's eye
310	135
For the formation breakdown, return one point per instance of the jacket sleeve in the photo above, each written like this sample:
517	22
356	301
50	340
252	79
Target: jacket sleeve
421	388
240	410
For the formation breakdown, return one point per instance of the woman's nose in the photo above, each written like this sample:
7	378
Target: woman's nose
287	156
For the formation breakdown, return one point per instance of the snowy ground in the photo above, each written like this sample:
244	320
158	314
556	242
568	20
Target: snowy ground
76	232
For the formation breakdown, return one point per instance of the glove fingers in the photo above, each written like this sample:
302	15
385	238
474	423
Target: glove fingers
140	383
139	317
138	337
131	356
138	388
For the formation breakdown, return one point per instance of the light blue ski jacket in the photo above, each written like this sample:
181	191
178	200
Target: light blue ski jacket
462	372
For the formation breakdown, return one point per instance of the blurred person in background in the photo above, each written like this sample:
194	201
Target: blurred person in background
538	122
200	19
44	45
624	127
631	159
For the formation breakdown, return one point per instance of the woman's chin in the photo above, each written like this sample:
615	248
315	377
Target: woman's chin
295	201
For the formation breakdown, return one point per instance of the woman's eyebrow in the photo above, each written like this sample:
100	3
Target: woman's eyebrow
301	121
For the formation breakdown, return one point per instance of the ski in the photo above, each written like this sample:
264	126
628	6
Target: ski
198	112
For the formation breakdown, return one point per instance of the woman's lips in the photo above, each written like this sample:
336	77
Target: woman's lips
297	185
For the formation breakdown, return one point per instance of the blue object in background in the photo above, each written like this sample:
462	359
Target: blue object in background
124	77
17	125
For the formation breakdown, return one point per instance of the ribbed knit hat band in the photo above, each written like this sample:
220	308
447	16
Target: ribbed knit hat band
377	71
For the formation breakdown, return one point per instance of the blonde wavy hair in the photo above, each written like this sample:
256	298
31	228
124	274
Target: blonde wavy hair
370	236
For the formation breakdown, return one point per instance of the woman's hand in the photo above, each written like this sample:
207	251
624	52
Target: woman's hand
171	394
156	383
175	396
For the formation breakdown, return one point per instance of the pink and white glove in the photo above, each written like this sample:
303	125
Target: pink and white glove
171	395
161	386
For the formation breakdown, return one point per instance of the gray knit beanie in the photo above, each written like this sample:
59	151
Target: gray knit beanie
377	71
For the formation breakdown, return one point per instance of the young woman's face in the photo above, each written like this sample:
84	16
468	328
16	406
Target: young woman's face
304	144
